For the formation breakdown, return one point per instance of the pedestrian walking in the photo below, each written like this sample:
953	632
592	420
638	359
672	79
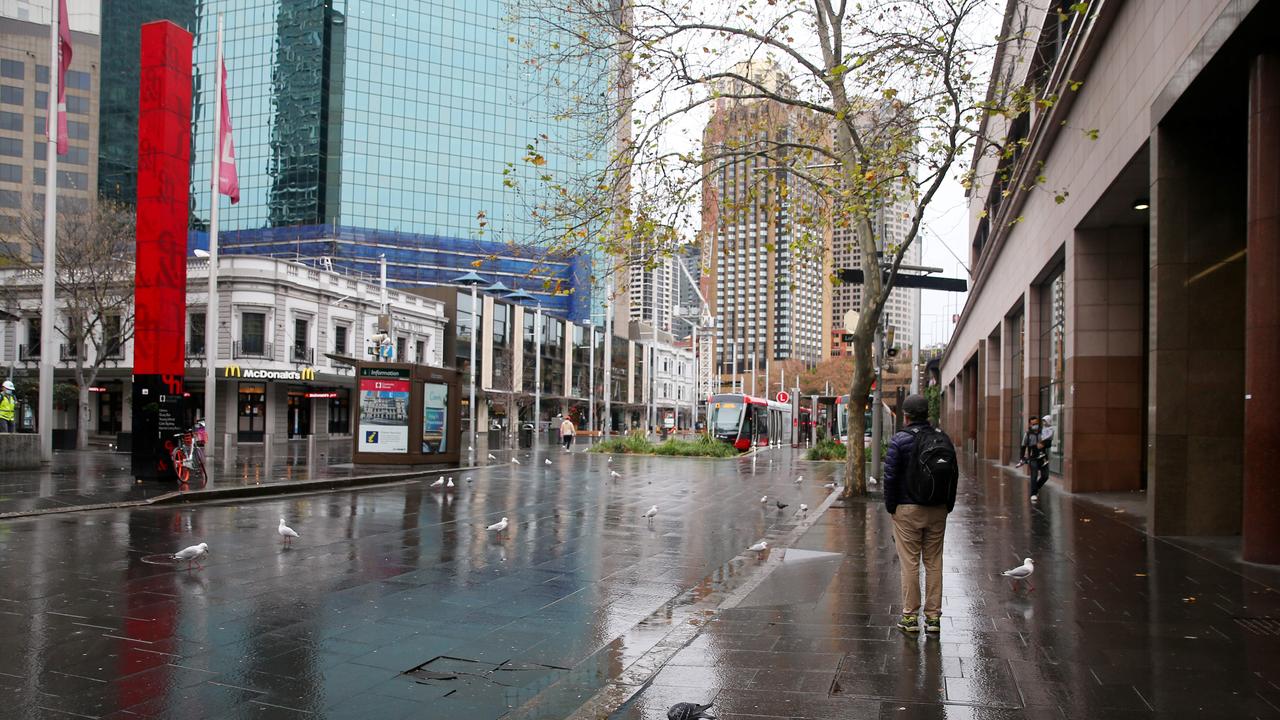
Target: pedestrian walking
1035	453
567	431
8	407
920	476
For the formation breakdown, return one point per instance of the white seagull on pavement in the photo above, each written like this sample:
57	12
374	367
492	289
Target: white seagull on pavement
615	474
286	532
799	480
1021	573
546	461
499	526
650	513
517	462
438	483
804	508
759	547
491	457
764	498
450	483
193	554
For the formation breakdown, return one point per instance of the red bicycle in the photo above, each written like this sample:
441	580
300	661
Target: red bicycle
188	457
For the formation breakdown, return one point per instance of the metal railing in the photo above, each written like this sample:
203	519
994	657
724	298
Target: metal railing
113	350
68	352
300	354
29	353
195	349
240	349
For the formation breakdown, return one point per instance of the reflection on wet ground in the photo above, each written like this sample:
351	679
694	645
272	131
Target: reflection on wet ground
382	582
1121	625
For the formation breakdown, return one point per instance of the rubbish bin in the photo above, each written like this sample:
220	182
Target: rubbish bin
495	438
526	435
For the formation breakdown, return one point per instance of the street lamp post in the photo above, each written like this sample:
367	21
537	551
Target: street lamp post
498	290
472	280
591	374
521	296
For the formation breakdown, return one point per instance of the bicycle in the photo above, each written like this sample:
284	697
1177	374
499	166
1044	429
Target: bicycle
188	456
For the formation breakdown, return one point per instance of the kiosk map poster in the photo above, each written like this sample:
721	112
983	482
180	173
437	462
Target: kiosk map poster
384	410
435	399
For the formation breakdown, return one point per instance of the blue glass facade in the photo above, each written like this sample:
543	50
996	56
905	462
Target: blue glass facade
369	123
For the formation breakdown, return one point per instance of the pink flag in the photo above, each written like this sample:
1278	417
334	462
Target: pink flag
64	62
228	181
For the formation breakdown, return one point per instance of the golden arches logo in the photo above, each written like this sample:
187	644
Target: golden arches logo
232	370
308	373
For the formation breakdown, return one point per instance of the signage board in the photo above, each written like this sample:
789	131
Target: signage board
235	371
384	410
783	396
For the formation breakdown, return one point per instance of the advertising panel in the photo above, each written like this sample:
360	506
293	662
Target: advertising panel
384	410
435	400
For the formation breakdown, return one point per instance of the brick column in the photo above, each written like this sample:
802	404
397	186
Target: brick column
1262	317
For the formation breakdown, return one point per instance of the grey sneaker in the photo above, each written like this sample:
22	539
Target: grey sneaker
933	625
910	622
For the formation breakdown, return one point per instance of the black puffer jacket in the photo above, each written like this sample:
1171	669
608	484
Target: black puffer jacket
897	463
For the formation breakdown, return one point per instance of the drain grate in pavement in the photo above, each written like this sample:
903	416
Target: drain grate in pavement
1265	626
461	674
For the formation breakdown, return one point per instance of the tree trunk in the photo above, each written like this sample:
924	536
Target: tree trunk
855	470
82	423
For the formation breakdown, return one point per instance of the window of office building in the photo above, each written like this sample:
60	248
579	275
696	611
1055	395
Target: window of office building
11	94
14	69
1053	331
502	346
340	339
301	340
10	121
253	333
195	333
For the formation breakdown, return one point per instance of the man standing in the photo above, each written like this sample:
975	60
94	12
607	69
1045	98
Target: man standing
567	431
8	407
920	475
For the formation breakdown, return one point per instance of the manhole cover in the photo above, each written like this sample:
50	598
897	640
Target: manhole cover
1266	626
461	674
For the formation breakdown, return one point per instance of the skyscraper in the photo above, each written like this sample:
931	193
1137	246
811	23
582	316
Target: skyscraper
377	127
901	310
765	237
651	291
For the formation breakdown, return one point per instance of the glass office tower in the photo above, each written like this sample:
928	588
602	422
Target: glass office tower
376	126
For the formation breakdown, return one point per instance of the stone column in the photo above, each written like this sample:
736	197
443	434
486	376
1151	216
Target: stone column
990	430
1262	317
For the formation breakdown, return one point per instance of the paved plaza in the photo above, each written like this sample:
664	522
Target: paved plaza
396	602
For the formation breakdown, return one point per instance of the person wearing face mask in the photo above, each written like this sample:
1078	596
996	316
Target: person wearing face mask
1035	452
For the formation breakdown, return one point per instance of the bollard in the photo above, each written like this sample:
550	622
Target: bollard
312	457
266	453
228	449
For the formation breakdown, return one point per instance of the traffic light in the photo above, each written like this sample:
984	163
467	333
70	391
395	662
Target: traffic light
890	351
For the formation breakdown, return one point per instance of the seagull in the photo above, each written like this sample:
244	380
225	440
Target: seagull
804	508
610	458
546	461
830	486
799	480
759	547
491	457
499	526
615	474
450	483
781	505
193	554
764	498
438	483
1022	572
690	711
286	532
517	462
648	514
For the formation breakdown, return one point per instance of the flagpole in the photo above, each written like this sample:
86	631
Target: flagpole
211	308
49	313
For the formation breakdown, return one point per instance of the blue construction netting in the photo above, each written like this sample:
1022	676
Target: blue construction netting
562	284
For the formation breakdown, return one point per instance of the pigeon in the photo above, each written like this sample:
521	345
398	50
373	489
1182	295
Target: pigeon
690	711
759	547
546	461
438	483
192	554
499	526
450	483
781	505
517	462
804	508
491	457
764	498
1022	572
799	479
286	532
648	514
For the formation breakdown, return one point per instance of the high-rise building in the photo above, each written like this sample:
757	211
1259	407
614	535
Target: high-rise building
24	103
376	128
688	283
651	291
764	244
902	309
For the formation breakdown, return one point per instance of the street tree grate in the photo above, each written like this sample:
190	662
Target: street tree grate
1264	626
462	675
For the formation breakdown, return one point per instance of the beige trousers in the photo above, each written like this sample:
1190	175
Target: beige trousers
918	531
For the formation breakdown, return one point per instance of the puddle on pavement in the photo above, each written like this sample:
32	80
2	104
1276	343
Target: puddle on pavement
462	675
801	579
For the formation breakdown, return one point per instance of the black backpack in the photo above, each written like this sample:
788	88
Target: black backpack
934	472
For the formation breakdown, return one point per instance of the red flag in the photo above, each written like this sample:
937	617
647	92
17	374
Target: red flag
228	181
64	62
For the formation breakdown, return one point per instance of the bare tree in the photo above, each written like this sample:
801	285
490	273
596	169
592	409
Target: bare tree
839	112
94	285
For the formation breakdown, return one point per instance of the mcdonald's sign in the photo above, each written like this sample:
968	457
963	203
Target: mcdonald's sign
235	371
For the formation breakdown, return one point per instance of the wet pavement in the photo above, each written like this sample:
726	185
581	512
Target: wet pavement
94	477
1120	625
395	602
